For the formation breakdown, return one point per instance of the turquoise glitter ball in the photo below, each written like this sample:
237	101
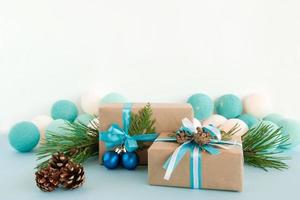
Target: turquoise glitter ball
250	120
24	136
229	105
64	109
292	128
202	104
57	126
84	119
113	98
273	118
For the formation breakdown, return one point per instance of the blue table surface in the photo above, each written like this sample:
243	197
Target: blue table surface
17	182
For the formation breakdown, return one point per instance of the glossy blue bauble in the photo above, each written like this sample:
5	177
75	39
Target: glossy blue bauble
130	160
111	159
64	109
113	98
250	120
275	118
202	104
84	119
229	106
24	136
292	128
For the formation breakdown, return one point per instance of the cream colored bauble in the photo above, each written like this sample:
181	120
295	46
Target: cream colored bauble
229	124
90	102
215	120
258	105
42	122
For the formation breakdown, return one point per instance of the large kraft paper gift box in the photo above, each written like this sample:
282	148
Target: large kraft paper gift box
167	117
222	172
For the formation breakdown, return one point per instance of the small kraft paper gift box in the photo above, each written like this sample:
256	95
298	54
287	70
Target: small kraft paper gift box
196	158
167	118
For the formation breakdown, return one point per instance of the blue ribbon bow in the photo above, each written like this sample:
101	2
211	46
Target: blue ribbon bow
116	136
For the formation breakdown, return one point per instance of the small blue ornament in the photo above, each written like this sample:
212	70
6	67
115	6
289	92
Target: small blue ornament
84	119
292	128
275	118
130	160
24	136
111	159
202	104
113	98
229	105
64	109
250	120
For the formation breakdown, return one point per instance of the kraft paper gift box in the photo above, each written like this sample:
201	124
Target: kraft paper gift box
222	172
167	117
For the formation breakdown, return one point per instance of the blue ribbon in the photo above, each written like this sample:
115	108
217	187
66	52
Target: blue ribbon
116	136
195	155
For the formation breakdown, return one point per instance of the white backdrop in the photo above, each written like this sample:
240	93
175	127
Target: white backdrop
148	50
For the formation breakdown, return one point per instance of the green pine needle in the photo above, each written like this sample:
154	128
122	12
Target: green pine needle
260	147
80	142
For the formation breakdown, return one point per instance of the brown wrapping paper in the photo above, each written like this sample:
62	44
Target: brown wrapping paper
168	118
223	171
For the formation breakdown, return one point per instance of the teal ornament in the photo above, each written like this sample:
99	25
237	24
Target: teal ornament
130	160
275	118
292	128
229	106
111	159
57	126
24	136
64	109
113	98
84	119
202	104
250	120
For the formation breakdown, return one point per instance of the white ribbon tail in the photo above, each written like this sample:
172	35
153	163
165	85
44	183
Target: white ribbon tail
196	167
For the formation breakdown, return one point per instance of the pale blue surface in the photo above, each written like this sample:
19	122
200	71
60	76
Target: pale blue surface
17	182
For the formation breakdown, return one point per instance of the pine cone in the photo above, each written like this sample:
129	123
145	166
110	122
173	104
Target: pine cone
47	179
183	137
58	160
71	175
201	137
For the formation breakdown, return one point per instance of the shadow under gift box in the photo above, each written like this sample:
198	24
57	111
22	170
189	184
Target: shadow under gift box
222	172
167	117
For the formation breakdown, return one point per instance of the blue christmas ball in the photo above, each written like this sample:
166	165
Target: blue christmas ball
202	104
130	160
275	118
84	119
229	105
111	159
113	98
292	128
64	109
250	120
24	136
57	126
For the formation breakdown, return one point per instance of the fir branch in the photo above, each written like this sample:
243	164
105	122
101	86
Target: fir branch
142	122
228	135
260	146
80	142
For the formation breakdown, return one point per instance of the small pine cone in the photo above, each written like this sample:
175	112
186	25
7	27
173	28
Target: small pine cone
183	137
47	179
71	175
202	138
58	160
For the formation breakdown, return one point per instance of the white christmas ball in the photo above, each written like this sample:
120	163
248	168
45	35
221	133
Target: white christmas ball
90	102
229	124
258	105
215	120
42	122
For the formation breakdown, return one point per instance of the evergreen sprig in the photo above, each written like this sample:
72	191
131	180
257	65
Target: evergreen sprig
142	122
79	142
260	146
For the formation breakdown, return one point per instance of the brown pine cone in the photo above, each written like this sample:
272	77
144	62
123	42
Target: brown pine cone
58	160
71	175
183	137
202	138
47	179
